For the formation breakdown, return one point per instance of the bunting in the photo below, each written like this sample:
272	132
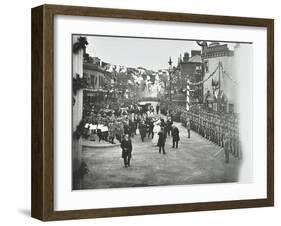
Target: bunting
201	82
225	73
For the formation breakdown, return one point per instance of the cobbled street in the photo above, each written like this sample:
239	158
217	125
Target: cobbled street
196	161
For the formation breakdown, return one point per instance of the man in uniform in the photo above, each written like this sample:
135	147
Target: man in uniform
111	132
188	126
127	128
226	147
169	125
118	130
142	128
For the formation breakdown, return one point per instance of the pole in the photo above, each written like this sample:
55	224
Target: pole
170	77
219	77
187	94
219	102
114	83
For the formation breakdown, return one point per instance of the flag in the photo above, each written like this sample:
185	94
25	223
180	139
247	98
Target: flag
141	71
122	69
132	71
118	68
215	84
111	68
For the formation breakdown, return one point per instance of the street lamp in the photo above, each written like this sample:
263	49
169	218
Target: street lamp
170	77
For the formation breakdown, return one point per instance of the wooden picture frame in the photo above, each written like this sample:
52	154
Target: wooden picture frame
43	112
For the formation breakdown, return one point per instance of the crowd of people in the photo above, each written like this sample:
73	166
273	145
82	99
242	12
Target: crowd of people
121	125
153	127
111	125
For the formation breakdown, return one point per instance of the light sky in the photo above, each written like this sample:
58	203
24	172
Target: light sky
138	52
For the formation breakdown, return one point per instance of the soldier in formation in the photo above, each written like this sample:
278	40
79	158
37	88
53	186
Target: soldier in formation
219	129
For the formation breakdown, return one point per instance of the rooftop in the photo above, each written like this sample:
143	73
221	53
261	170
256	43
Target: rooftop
195	59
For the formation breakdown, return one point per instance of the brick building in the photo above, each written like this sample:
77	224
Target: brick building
190	69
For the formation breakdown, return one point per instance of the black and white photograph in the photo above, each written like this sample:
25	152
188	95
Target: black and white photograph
159	112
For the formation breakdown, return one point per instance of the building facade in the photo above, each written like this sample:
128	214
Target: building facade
219	91
191	70
98	81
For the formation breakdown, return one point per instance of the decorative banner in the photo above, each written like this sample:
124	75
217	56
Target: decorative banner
201	82
225	73
141	70
123	69
111	68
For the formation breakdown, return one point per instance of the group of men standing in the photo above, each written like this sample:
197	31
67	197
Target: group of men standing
167	129
154	128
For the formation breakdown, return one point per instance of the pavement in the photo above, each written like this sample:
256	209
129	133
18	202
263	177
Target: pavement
196	161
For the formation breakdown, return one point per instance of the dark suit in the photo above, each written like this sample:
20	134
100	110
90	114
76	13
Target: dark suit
169	126
142	129
176	136
126	146
150	129
161	141
157	109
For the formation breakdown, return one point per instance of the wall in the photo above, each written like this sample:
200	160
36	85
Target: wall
77	69
243	66
226	86
77	111
15	113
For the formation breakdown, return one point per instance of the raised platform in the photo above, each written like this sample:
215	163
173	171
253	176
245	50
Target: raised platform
97	144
